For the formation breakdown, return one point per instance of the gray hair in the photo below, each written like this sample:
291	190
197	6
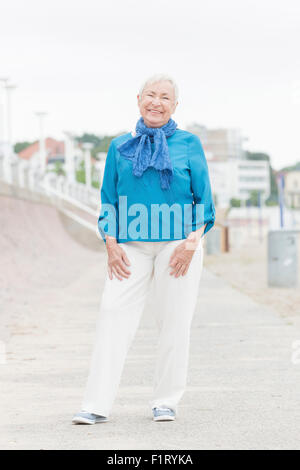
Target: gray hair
159	77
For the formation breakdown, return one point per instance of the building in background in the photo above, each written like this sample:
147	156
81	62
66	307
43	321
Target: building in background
55	151
252	175
292	189
237	179
220	144
232	175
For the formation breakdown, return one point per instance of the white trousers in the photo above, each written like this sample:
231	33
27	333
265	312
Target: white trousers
121	309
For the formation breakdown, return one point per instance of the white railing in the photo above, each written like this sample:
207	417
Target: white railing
58	188
65	197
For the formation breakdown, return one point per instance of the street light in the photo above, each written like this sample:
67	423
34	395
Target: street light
42	146
280	185
8	151
3	80
9	88
87	163
69	156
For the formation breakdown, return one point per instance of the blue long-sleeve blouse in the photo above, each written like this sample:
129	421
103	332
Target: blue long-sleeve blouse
137	209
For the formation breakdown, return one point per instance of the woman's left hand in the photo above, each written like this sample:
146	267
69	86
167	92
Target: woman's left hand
181	258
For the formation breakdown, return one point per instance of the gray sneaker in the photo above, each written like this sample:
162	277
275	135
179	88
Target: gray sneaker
163	414
88	418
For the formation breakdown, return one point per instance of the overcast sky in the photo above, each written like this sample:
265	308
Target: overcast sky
237	64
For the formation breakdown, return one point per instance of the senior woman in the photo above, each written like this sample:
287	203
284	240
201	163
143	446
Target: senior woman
156	207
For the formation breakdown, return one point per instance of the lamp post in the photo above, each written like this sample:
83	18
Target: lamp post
8	151
280	183
260	215
87	163
4	81
69	156
42	146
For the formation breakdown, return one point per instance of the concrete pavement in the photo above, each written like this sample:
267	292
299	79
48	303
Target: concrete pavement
242	391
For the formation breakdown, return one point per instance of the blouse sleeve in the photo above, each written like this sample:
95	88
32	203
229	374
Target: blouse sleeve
108	218
200	185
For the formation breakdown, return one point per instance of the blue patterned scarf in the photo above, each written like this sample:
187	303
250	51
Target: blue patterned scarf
138	149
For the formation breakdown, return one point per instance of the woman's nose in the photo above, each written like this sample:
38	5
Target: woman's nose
156	100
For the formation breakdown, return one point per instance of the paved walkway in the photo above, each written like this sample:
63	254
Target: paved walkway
242	392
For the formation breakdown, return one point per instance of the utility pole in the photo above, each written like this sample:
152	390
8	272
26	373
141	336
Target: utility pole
3	80
69	156
87	163
42	146
280	183
8	151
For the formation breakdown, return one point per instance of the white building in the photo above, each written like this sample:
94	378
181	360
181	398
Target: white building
231	174
237	178
292	189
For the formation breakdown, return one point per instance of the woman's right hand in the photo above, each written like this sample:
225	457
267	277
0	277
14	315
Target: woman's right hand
117	260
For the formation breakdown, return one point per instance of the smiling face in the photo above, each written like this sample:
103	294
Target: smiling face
157	103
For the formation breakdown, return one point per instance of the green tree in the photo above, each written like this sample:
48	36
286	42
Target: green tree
103	146
96	184
274	189
59	168
19	146
80	173
234	202
273	198
95	181
253	199
295	167
272	201
215	199
89	138
257	156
